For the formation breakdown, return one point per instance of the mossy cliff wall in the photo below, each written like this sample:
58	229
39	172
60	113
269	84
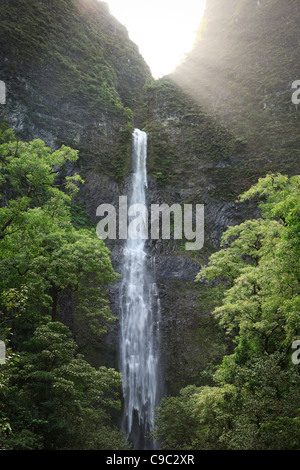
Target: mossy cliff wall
73	77
241	70
220	121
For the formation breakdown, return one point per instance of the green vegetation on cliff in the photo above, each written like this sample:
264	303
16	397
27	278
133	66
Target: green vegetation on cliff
75	78
241	70
227	114
184	136
75	47
254	403
239	73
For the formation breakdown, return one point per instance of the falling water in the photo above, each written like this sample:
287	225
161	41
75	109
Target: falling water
140	317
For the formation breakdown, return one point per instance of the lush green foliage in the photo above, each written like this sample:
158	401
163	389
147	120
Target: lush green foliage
50	397
247	89
161	154
255	401
56	400
119	162
41	251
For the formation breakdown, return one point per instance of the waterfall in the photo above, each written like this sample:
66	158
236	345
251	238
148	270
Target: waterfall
139	317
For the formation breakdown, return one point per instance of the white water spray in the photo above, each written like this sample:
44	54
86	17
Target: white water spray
140	318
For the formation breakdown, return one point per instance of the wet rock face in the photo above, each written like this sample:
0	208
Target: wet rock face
33	115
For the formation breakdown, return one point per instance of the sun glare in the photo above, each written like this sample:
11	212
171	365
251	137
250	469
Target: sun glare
164	30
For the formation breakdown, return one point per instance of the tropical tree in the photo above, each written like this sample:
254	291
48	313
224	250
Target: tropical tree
255	403
50	397
55	400
42	253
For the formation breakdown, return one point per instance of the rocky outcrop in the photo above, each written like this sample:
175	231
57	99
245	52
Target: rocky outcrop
73	77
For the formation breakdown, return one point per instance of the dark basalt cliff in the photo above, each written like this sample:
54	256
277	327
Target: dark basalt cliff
220	121
73	77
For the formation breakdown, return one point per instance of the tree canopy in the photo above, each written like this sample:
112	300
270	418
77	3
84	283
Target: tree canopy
51	398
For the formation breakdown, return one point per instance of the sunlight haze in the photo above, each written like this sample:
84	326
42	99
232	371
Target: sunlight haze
164	30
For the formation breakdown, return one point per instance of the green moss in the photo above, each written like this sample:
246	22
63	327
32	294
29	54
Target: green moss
119	163
79	44
240	70
76	56
162	154
79	217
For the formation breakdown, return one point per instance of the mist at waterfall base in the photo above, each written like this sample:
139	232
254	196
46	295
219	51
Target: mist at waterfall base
139	320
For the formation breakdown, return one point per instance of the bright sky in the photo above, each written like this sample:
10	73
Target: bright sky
164	30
